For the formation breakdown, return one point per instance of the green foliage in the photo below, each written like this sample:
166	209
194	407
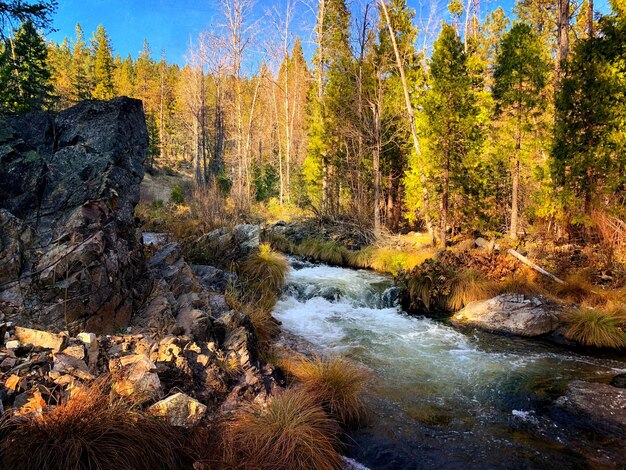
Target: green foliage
38	13
589	151
177	196
24	74
265	179
102	64
326	251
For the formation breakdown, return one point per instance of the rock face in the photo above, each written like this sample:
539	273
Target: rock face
603	405
512	314
69	248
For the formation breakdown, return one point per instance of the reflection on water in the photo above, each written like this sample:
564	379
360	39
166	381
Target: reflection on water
441	398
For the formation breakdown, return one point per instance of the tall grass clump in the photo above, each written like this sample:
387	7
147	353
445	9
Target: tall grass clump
265	269
578	289
90	431
325	251
467	286
519	283
292	433
594	327
335	382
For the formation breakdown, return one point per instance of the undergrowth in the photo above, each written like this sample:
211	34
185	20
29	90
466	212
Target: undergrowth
595	327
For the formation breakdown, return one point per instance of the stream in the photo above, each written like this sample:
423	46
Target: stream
439	397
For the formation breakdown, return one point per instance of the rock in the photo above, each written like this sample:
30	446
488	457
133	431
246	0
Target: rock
135	377
512	314
66	364
214	279
91	344
179	410
195	323
77	351
603	405
41	339
13	344
619	381
168	265
69	182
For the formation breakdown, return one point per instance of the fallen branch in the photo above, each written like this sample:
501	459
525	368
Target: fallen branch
536	267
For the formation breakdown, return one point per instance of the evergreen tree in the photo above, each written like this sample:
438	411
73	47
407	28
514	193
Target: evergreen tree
21	11
520	76
81	77
60	63
24	74
589	152
450	123
102	65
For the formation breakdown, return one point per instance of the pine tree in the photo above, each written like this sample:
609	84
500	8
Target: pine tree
81	77
520	76
24	74
102	65
450	122
60	63
589	152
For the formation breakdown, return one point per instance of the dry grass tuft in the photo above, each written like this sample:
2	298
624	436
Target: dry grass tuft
467	286
594	327
265	270
335	382
90	431
519	284
292	433
578	289
328	252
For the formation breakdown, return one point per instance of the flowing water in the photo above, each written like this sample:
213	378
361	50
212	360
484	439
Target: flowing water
441	398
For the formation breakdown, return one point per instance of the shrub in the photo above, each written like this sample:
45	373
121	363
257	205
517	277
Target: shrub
593	327
292	433
468	285
176	196
279	242
335	382
90	430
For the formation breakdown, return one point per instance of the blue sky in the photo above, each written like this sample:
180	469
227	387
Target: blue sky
171	24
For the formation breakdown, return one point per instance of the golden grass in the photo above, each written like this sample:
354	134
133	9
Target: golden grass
519	284
335	382
595	327
90	430
467	286
292	433
326	251
578	289
266	327
279	242
421	288
265	270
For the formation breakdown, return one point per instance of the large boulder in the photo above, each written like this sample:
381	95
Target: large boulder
602	405
69	248
512	314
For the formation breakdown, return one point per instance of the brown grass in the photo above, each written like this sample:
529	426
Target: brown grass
519	283
292	433
578	289
467	286
335	382
90	431
264	271
595	327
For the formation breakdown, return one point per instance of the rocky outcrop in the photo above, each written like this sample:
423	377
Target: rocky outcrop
604	406
514	314
70	252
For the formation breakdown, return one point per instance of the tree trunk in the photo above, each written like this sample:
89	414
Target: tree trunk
562	36
445	205
376	169
590	18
